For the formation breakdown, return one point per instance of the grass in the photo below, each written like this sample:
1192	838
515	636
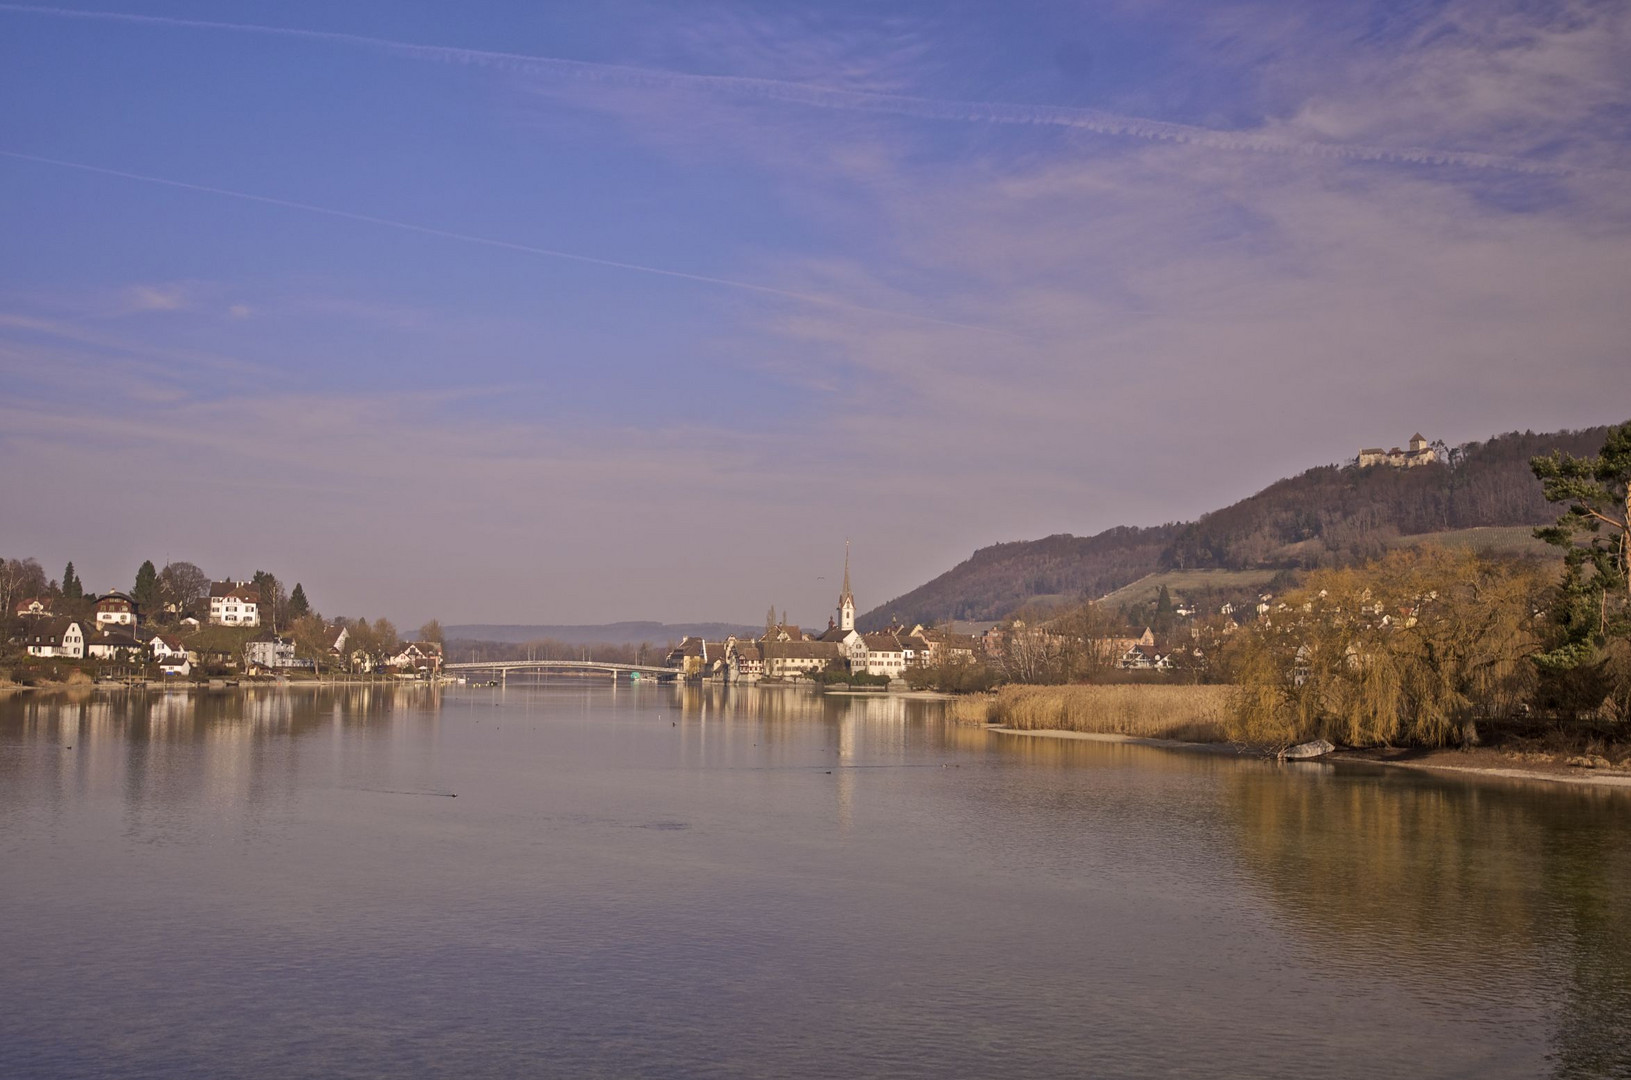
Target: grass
1183	582
1187	712
1498	539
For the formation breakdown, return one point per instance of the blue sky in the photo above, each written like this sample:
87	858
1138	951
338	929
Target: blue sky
566	312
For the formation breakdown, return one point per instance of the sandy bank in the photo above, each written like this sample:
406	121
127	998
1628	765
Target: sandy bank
1477	763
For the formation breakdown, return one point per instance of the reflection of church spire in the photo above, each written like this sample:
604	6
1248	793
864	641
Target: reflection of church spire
846	599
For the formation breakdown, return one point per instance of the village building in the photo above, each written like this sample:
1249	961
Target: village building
269	652
164	647
234	603
744	660
795	659
884	655
418	656
34	607
696	657
63	638
116	642
1420	452
115	609
180	666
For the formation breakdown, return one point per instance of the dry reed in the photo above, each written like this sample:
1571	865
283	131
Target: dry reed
1191	713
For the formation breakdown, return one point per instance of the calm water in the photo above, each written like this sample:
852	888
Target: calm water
764	884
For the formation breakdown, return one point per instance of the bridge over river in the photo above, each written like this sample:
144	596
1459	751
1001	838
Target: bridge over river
503	668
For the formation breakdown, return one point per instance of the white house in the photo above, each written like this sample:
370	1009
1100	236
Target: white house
234	603
180	665
163	647
115	609
884	655
418	656
273	653
58	637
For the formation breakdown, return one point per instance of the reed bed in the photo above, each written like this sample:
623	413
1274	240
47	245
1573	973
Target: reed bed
1190	713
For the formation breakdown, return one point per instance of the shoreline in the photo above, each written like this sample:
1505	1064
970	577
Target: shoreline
1557	774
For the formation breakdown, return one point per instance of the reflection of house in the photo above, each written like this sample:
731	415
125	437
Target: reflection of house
234	603
56	637
115	609
116	642
1419	453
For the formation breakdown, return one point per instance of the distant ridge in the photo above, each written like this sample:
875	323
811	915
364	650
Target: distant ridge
618	633
1332	515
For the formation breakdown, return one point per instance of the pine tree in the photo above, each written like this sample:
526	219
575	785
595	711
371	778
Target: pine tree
146	591
1591	618
71	588
298	607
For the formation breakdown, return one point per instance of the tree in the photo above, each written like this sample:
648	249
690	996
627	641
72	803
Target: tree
1414	648
1588	662
298	607
181	585
431	631
273	601
146	590
386	642
311	638
72	589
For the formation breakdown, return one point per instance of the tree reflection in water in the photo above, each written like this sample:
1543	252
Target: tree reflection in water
1450	883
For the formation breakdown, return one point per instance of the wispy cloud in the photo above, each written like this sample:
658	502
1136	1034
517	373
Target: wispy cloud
507	245
1099	122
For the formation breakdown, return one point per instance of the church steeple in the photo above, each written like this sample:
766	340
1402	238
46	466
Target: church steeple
846	599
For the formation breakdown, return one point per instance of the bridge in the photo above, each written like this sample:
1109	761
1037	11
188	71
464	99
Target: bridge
503	668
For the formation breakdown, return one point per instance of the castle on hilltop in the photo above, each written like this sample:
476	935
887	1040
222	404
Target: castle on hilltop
1420	453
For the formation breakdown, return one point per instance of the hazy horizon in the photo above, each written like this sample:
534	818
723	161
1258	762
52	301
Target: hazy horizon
638	312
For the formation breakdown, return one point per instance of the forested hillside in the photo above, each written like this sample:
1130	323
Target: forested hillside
1328	516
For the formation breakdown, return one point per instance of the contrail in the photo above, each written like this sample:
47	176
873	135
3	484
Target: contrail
507	245
974	112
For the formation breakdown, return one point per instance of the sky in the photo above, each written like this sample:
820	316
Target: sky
564	313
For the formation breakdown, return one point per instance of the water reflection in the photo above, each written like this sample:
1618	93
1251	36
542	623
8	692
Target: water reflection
855	875
1470	887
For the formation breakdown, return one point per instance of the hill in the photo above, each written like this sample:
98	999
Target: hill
1331	515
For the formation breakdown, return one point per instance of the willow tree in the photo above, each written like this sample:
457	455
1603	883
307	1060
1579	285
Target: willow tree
1414	648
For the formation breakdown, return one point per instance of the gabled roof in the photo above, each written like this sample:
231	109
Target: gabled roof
50	632
235	590
881	643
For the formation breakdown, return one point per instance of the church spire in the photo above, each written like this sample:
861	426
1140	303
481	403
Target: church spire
846	594
846	599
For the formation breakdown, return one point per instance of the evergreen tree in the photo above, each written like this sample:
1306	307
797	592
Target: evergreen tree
298	607
146	591
1590	655
71	587
1162	620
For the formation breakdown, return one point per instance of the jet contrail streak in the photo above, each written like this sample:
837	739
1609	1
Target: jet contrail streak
973	112
507	245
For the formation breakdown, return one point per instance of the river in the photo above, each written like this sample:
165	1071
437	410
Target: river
580	881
